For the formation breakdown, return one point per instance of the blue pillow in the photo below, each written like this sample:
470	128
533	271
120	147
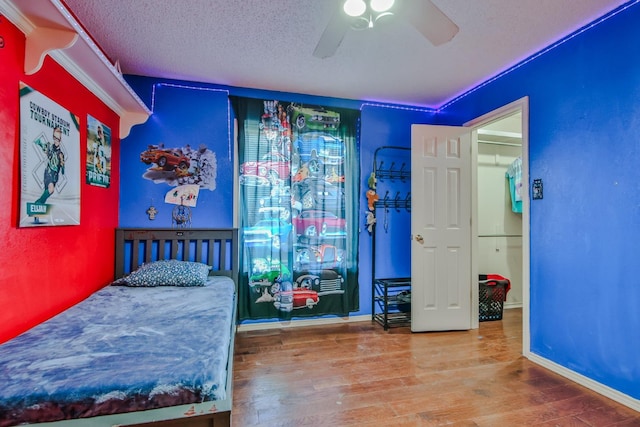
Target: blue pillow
167	273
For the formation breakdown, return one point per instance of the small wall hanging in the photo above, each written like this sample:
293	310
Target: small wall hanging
184	197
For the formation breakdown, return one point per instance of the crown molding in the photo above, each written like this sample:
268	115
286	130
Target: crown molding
50	29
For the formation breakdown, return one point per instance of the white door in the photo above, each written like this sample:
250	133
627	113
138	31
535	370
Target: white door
441	228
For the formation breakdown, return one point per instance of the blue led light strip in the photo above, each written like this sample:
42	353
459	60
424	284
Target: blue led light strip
540	53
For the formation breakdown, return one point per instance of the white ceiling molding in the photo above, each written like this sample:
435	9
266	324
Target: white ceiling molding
50	29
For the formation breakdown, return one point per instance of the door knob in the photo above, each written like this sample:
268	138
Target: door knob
419	239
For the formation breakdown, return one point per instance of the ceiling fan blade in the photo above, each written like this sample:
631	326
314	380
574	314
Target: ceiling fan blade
429	20
332	36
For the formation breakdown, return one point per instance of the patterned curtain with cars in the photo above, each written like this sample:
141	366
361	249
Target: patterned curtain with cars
299	180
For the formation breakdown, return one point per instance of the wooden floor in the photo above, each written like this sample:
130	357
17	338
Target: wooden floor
359	375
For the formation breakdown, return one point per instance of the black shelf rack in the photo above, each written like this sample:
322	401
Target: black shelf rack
390	295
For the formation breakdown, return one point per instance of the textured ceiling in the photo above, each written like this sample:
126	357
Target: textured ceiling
269	44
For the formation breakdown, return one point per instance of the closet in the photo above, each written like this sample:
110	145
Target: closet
499	227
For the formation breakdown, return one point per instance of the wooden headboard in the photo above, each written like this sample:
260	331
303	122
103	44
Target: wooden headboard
217	247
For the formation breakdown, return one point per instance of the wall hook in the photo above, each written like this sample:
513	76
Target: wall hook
391	175
402	172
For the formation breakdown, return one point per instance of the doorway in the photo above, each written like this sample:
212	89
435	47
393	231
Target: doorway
499	214
444	266
500	230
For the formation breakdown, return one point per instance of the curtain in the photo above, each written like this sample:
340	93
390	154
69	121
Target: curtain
299	179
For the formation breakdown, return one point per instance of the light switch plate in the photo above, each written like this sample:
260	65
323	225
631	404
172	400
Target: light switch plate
536	189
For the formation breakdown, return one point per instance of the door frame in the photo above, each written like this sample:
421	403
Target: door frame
520	105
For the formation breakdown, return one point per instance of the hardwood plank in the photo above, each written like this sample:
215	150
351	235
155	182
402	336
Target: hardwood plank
357	374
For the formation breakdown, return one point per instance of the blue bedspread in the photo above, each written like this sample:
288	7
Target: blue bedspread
122	349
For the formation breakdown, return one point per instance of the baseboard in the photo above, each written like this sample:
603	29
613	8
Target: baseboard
302	322
586	382
508	305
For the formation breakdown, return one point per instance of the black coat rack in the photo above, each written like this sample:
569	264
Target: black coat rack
390	295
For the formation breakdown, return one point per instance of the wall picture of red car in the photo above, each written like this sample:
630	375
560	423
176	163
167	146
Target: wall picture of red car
272	166
317	223
296	298
165	158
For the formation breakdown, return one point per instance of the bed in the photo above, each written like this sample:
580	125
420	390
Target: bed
154	348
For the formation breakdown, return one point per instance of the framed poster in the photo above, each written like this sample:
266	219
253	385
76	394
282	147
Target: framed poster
98	153
49	162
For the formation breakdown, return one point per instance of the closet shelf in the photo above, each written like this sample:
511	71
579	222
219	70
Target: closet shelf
509	144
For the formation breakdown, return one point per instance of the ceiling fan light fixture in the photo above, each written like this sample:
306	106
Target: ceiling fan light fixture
381	5
354	7
423	15
360	23
382	16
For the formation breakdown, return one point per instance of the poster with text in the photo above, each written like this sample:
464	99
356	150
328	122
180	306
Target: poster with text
98	153
49	162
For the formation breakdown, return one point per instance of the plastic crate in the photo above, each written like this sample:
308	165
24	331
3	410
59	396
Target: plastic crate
492	295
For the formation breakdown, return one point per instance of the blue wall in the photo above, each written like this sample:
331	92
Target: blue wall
584	127
181	116
197	113
385	126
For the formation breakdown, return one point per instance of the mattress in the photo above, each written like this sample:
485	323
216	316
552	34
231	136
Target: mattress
122	349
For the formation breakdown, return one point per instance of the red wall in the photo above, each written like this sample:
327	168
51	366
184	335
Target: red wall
45	270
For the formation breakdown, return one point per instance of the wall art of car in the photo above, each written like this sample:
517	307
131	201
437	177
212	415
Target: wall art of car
277	198
276	271
254	181
297	298
273	168
272	231
281	212
325	282
314	223
318	194
270	279
166	158
318	257
328	149
314	118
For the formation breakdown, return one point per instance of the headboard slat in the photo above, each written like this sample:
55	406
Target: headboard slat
135	250
148	246
198	254
222	259
210	252
221	246
186	250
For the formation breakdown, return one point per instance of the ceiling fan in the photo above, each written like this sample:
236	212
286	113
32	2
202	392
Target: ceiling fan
425	16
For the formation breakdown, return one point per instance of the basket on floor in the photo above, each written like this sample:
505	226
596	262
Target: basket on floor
493	290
